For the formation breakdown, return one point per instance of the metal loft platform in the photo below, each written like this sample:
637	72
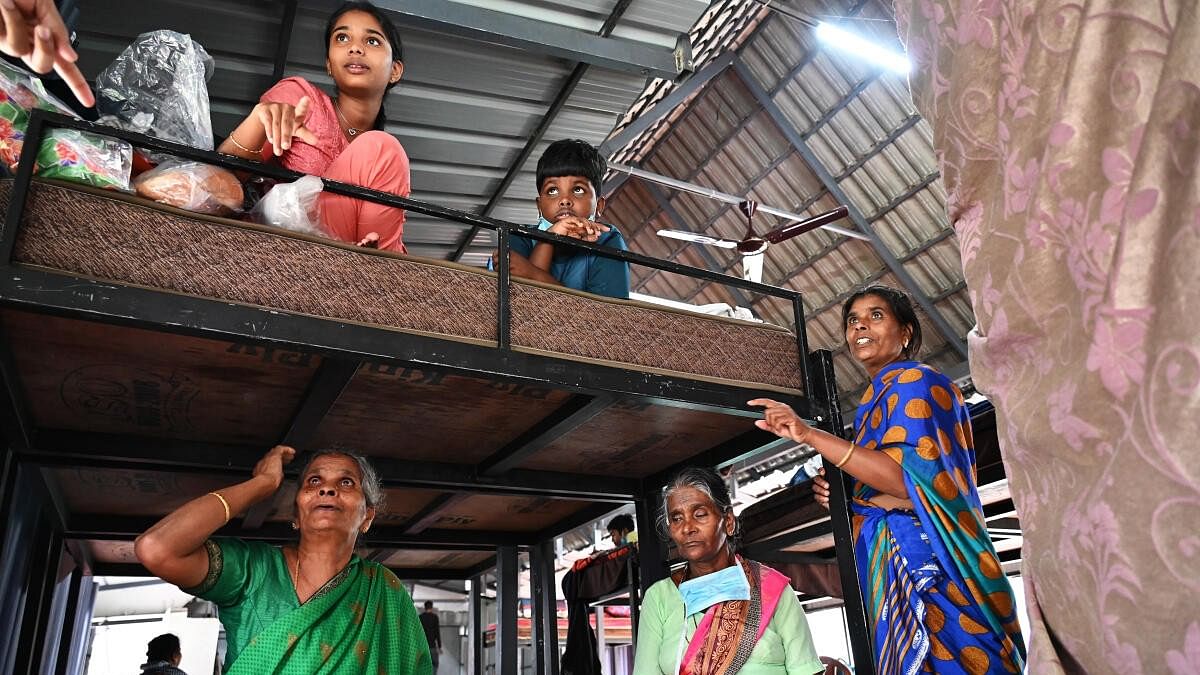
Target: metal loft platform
123	400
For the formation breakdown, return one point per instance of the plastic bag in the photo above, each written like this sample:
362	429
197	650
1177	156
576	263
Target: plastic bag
70	154
192	186
66	154
158	86
20	93
292	206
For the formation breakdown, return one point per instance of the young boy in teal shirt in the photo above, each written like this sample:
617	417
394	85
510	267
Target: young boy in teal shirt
569	175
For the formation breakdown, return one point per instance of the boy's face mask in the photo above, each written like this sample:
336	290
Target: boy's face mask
703	592
544	224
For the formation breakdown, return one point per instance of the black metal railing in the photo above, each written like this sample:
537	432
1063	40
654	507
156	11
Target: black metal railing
42	121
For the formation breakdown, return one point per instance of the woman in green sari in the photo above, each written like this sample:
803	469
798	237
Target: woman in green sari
313	607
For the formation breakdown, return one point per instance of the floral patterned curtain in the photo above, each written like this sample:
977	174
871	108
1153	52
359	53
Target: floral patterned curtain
1069	139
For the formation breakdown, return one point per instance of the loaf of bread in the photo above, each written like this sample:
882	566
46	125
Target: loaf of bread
192	186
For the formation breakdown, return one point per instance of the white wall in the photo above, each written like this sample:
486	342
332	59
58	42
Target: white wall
120	649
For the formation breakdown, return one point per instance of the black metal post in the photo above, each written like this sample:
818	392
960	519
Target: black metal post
287	21
651	551
70	620
829	418
545	608
635	596
802	346
504	289
506	610
43	570
475	636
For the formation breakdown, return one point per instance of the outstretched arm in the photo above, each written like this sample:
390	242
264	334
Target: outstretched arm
173	549
269	122
873	468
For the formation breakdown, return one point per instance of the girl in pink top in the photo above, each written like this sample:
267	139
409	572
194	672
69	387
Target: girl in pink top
341	139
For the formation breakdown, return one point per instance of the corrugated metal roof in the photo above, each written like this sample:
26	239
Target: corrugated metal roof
861	126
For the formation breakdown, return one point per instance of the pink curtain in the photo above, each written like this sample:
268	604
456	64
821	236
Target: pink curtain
1069	136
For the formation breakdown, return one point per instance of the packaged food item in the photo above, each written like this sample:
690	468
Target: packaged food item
193	186
81	157
20	93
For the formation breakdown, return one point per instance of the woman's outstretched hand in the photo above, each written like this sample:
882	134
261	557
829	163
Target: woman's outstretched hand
820	488
270	467
282	122
781	420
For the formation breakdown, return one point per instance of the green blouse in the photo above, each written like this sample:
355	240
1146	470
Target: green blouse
786	648
362	620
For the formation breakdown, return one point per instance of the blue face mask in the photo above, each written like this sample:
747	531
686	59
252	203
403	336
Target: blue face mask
544	224
703	592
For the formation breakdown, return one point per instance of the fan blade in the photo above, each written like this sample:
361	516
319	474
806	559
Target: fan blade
694	238
790	230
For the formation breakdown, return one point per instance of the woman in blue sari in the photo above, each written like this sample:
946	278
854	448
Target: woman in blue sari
935	593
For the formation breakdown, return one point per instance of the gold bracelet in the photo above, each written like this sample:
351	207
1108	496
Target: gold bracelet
245	149
846	457
223	503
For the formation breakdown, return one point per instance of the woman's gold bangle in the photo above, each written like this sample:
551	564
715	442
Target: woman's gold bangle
846	457
245	149
223	503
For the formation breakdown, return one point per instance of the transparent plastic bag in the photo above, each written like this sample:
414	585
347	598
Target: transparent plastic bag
158	86
80	157
20	93
65	154
292	206
193	186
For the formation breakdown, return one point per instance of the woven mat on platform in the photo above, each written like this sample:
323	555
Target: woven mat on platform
124	239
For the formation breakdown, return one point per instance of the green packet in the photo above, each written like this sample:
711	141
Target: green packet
81	157
66	154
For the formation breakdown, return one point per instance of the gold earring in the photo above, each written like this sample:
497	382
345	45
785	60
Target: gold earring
295	526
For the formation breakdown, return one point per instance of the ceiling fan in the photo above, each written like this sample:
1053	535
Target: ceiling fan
753	244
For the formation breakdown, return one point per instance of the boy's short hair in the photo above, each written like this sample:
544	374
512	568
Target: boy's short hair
622	523
572	157
162	648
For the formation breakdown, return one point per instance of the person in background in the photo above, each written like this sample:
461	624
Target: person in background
569	175
720	613
34	32
620	529
163	656
300	127
433	632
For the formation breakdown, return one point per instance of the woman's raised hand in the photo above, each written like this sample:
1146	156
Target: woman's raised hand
270	467
282	122
781	420
820	488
